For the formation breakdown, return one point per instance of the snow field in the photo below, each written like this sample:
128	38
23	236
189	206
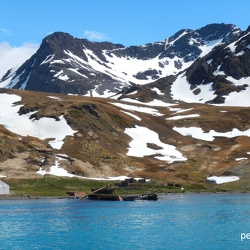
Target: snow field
44	128
141	136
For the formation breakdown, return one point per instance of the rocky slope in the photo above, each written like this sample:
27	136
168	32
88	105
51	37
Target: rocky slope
220	77
182	143
64	64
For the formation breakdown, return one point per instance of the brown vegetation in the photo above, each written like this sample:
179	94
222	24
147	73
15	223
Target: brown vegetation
99	147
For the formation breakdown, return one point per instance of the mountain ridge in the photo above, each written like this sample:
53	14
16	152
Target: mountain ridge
221	76
68	65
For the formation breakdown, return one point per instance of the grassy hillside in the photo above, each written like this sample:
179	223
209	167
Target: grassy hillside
99	146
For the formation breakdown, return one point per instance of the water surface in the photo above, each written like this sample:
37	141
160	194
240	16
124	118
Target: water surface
181	221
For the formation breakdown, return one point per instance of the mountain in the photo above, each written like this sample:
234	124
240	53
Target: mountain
221	76
64	64
55	134
161	123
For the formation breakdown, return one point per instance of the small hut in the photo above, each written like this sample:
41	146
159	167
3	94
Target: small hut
4	188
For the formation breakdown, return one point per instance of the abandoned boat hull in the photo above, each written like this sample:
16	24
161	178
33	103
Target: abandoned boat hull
105	197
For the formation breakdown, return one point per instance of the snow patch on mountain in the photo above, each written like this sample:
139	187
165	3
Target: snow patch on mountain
54	97
43	128
222	179
198	133
132	115
147	110
218	71
23	86
154	103
181	90
57	170
238	99
6	81
240	82
178	117
209	46
48	59
233	46
139	145
179	110
128	68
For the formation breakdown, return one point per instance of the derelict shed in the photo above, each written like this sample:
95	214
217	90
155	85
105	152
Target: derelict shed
4	188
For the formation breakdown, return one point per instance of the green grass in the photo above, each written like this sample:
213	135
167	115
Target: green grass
52	186
58	186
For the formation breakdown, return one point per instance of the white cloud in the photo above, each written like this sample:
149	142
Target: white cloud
11	57
93	35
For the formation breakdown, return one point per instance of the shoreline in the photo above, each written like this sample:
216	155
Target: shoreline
28	197
31	197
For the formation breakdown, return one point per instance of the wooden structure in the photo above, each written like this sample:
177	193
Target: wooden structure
108	194
76	195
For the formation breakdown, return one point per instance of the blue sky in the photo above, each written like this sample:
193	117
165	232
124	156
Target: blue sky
130	22
24	23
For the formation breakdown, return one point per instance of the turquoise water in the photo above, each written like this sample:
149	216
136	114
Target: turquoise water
188	221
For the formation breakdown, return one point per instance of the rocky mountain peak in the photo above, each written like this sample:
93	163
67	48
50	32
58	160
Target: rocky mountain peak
64	64
215	31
